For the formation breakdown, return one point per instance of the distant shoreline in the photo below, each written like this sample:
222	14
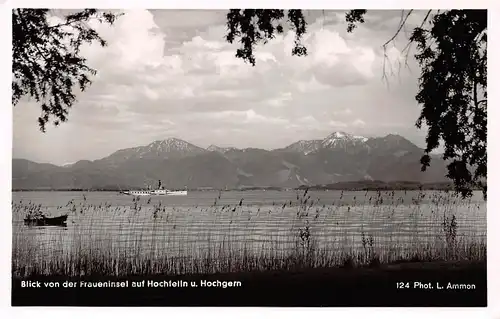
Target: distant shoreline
340	186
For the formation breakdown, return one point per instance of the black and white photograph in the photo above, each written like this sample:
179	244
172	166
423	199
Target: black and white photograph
249	157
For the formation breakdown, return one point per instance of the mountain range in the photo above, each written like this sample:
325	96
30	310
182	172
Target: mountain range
339	157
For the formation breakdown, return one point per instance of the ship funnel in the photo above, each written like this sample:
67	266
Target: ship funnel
159	184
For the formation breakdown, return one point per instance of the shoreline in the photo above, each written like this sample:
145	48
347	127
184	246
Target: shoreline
407	284
375	185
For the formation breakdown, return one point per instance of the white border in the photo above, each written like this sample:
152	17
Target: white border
264	4
493	311
493	254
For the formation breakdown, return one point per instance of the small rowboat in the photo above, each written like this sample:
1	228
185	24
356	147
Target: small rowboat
46	221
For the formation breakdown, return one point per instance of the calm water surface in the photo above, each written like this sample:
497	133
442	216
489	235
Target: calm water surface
189	224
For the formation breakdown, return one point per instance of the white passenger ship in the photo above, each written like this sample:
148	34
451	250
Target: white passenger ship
160	191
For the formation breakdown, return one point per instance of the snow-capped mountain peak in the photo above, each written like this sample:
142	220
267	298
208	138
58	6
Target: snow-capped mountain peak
157	149
170	144
361	138
304	146
338	134
213	148
342	140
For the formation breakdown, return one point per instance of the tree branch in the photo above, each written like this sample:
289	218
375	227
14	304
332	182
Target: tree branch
399	29
408	45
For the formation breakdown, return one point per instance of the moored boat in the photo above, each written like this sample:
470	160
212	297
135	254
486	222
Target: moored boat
42	220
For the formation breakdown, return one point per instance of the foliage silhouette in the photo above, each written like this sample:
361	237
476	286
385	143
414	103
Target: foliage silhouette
46	60
256	25
451	52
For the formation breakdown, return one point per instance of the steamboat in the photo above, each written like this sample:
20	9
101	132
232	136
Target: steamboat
160	191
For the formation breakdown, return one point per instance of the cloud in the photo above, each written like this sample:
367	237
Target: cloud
337	124
345	111
171	72
281	100
310	85
244	117
358	122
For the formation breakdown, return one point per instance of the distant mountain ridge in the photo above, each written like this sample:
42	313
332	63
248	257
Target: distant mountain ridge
169	148
339	157
304	146
214	148
343	140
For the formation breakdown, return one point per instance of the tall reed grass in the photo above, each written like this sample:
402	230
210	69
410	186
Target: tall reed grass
149	238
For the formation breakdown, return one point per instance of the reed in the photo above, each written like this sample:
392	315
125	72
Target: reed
147	238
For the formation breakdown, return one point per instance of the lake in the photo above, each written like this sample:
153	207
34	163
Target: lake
265	220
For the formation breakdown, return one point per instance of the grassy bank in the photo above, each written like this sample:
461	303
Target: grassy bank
105	261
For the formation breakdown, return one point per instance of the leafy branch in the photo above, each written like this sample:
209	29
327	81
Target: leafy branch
46	59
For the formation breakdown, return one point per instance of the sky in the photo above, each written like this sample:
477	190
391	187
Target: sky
170	73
